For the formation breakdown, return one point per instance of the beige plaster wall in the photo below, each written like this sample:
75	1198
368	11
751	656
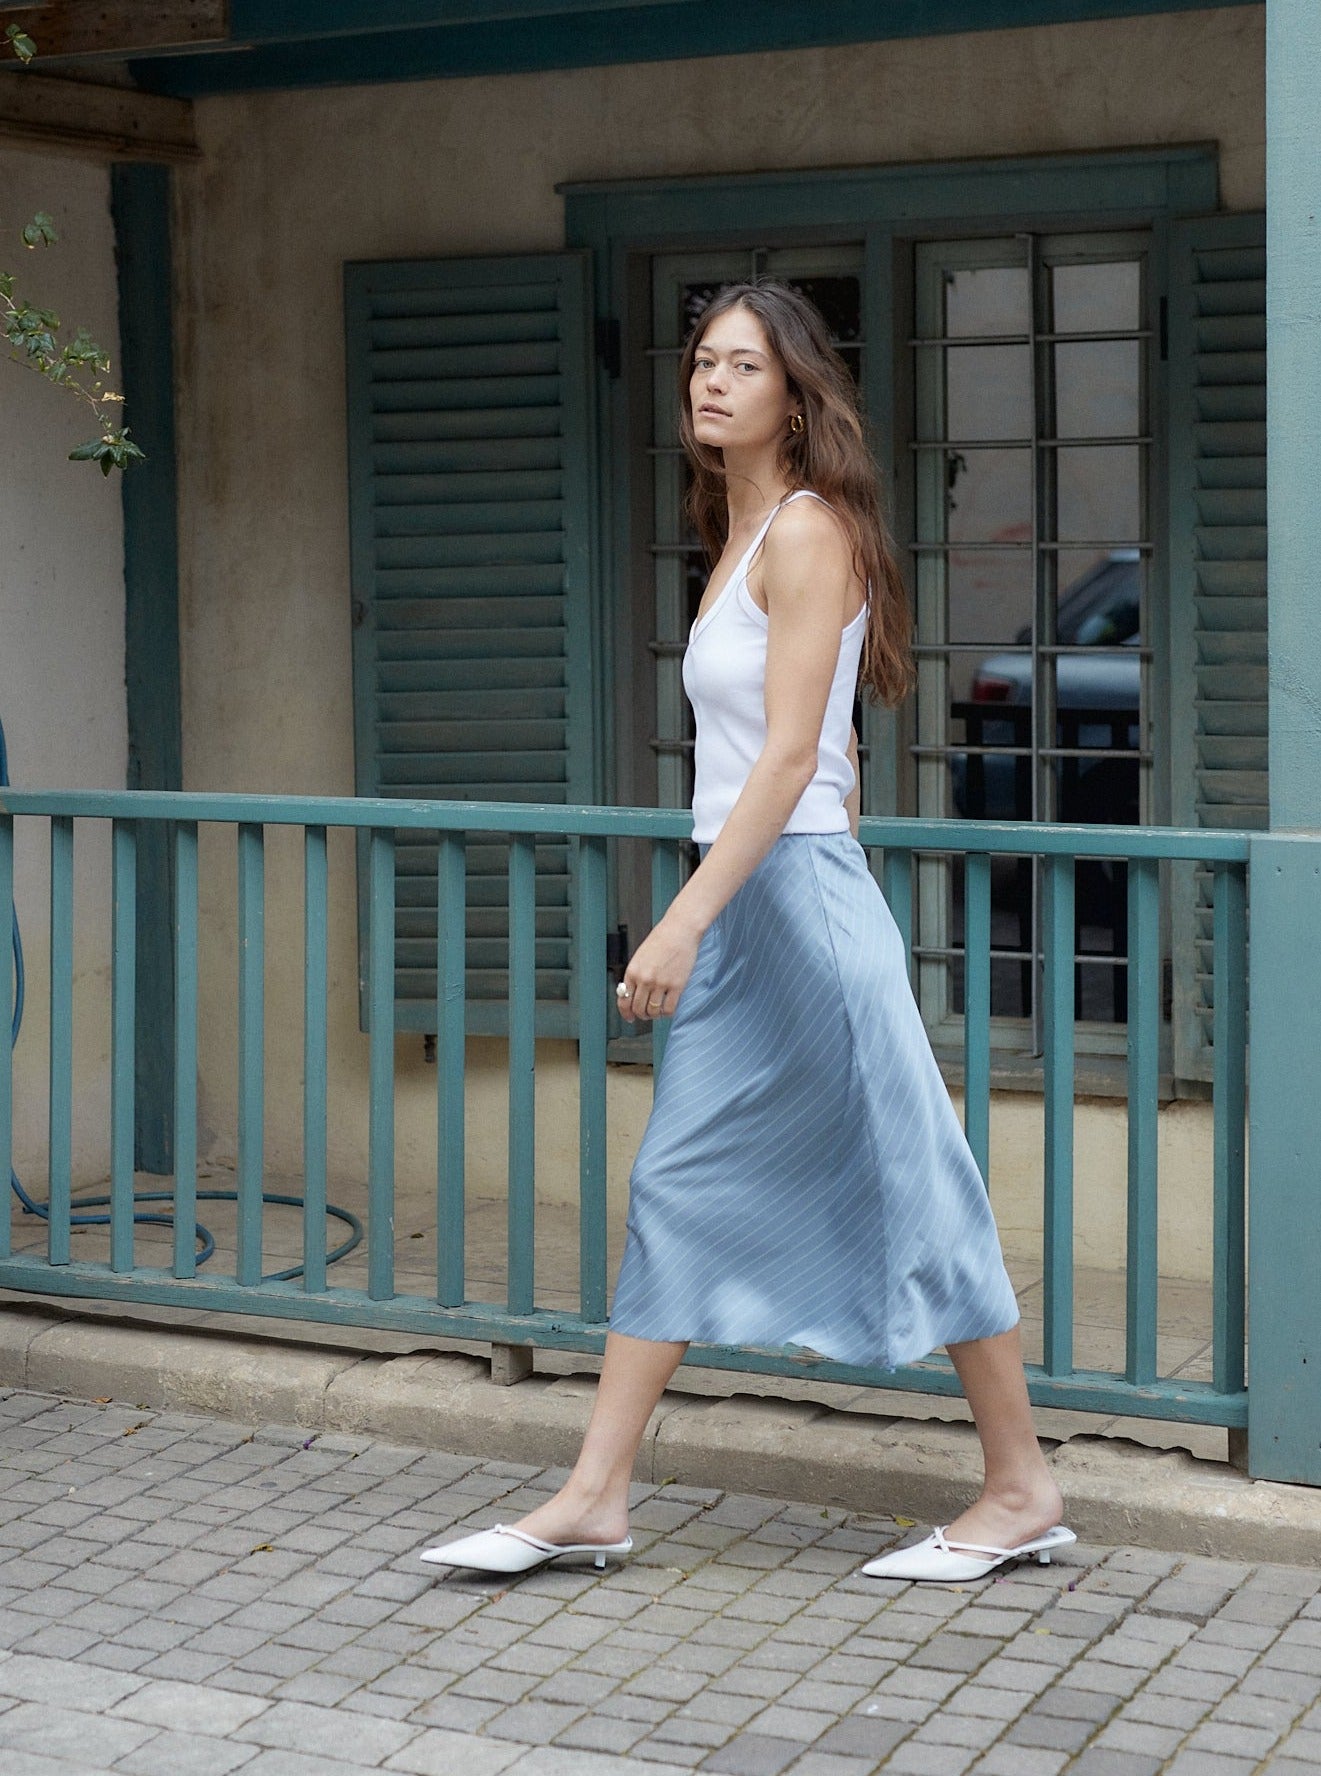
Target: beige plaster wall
293	185
61	635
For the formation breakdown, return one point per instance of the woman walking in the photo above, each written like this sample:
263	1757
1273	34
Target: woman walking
803	1179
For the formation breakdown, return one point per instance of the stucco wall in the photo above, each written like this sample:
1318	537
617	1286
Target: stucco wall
293	185
61	631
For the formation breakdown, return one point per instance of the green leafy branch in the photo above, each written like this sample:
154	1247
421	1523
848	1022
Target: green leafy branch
33	336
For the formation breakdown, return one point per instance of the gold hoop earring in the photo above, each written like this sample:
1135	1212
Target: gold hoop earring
797	423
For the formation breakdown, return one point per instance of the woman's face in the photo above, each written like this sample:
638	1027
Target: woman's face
739	393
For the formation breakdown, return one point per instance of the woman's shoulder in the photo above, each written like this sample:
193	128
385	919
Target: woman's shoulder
805	519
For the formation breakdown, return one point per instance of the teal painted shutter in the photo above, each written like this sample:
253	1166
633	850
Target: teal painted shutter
1217	569
469	466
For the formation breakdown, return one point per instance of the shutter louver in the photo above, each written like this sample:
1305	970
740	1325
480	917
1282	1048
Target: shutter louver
469	463
1217	568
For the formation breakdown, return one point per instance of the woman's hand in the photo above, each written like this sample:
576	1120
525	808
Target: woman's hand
658	971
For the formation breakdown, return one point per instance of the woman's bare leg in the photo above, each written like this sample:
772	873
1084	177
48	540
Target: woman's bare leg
1019	1498
592	1505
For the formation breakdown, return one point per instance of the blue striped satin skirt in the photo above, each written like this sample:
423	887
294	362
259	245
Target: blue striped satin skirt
803	1179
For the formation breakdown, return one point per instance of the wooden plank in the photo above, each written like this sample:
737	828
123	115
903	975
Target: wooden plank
121	27
55	116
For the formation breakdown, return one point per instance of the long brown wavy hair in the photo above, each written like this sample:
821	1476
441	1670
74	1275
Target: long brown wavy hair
829	456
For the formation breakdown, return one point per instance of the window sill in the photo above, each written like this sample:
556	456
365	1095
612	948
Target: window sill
1095	1076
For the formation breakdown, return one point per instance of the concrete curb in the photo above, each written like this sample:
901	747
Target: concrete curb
1117	1492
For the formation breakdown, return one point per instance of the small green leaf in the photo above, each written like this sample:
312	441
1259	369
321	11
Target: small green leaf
92	451
40	231
19	41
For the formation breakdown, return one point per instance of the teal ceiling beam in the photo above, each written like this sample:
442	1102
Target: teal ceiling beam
279	44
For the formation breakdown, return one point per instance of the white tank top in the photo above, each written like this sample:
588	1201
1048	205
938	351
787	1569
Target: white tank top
724	674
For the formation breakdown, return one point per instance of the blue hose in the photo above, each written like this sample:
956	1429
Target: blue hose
205	1241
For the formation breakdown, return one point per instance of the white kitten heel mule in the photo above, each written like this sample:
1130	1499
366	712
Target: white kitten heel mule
502	1550
938	1561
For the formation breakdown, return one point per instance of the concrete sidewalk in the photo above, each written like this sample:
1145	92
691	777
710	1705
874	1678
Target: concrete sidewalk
193	1596
1118	1492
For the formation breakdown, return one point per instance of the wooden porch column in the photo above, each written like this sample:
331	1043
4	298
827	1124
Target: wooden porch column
140	202
1284	1435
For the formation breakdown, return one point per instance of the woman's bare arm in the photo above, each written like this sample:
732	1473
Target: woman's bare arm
853	800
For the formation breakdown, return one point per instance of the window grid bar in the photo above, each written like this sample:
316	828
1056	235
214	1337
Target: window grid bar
1038	546
1059	648
1083	441
1093	336
932	750
1102	958
677	351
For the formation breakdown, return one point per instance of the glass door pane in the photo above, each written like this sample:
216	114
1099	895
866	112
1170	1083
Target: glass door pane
1031	464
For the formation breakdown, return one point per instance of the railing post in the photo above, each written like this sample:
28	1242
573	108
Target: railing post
185	1048
1058	1066
1143	1114
252	1052
316	972
6	1030
380	1114
522	1072
451	1016
592	987
61	1039
1284	1156
977	1009
123	975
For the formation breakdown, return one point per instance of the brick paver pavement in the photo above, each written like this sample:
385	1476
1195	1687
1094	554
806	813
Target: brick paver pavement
185	1597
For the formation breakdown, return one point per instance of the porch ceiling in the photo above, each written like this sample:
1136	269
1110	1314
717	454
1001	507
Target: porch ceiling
190	48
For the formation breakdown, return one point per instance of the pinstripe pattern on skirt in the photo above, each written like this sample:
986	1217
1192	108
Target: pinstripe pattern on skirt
803	1178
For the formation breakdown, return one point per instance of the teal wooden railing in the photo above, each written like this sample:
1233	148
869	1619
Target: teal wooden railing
444	1307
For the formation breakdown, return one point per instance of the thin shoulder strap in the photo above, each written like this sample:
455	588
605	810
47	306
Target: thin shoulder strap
773	514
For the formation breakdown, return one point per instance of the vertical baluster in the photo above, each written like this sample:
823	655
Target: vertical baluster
1143	1088
123	972
185	1049
897	883
380	1120
6	1034
592	989
61	1039
522	1075
1058	1064
451	910
1229	1039
664	887
977	1008
252	1038
315	980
